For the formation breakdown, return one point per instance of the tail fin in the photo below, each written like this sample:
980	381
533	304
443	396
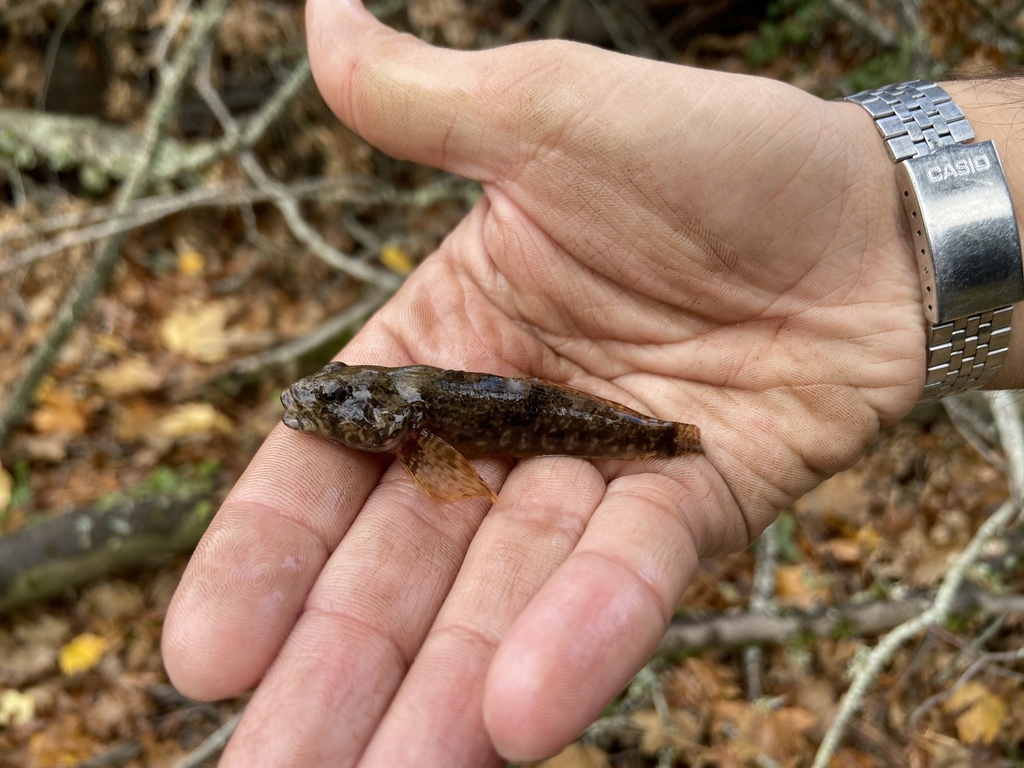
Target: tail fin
688	439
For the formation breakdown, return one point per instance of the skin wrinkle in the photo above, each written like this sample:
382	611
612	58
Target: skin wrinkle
349	619
676	515
630	575
297	522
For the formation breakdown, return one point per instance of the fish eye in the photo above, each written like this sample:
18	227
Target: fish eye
330	391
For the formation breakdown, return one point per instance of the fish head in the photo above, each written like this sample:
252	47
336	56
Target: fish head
355	405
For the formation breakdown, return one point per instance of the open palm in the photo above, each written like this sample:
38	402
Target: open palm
708	248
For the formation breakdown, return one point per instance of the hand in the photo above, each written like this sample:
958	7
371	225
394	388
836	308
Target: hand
715	249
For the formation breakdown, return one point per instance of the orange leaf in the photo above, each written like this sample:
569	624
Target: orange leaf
59	412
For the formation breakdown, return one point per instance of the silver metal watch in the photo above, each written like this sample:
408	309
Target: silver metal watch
963	228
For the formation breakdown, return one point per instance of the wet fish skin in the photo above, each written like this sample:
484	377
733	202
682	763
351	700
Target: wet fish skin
434	419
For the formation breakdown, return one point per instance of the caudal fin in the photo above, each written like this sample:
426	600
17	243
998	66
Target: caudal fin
688	439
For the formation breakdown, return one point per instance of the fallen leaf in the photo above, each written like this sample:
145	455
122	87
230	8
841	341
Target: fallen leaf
192	419
190	262
849	757
577	755
82	654
840	550
800	586
135	420
6	488
16	708
683	728
980	713
127	377
59	412
113	600
198	332
396	259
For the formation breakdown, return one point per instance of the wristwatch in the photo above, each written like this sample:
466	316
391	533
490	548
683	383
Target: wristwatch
963	228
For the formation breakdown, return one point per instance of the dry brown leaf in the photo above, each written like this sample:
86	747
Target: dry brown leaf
868	538
980	713
62	744
136	420
113	600
199	331
852	758
60	412
191	419
683	728
577	755
6	488
800	586
840	550
127	377
843	497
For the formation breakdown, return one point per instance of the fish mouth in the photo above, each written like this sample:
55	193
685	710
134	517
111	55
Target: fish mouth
290	418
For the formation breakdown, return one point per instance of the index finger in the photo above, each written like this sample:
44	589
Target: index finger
264	549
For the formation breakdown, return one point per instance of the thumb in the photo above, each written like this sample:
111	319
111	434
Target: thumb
473	113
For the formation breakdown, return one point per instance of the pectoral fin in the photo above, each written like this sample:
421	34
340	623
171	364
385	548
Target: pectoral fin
441	471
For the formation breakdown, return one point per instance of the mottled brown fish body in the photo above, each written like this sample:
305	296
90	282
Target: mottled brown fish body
433	420
485	415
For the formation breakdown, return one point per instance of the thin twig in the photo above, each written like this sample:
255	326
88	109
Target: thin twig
733	630
288	206
1011	433
77	304
333	328
53	46
761	594
119	755
979	664
247	135
212	746
170	29
97	223
860	18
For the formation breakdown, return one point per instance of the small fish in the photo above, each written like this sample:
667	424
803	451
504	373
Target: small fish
434	420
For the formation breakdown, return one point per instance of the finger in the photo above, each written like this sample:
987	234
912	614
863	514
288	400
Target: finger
475	113
437	716
257	561
602	614
370	74
360	629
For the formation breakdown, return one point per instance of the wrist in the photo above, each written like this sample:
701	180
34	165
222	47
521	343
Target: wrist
992	107
965	232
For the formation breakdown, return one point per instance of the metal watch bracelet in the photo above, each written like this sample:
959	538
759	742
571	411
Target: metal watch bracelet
963	228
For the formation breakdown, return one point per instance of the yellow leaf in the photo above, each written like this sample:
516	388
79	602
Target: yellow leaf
198	332
6	487
82	654
981	713
193	419
16	708
191	262
397	260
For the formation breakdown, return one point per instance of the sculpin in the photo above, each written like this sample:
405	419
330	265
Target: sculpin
434	420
